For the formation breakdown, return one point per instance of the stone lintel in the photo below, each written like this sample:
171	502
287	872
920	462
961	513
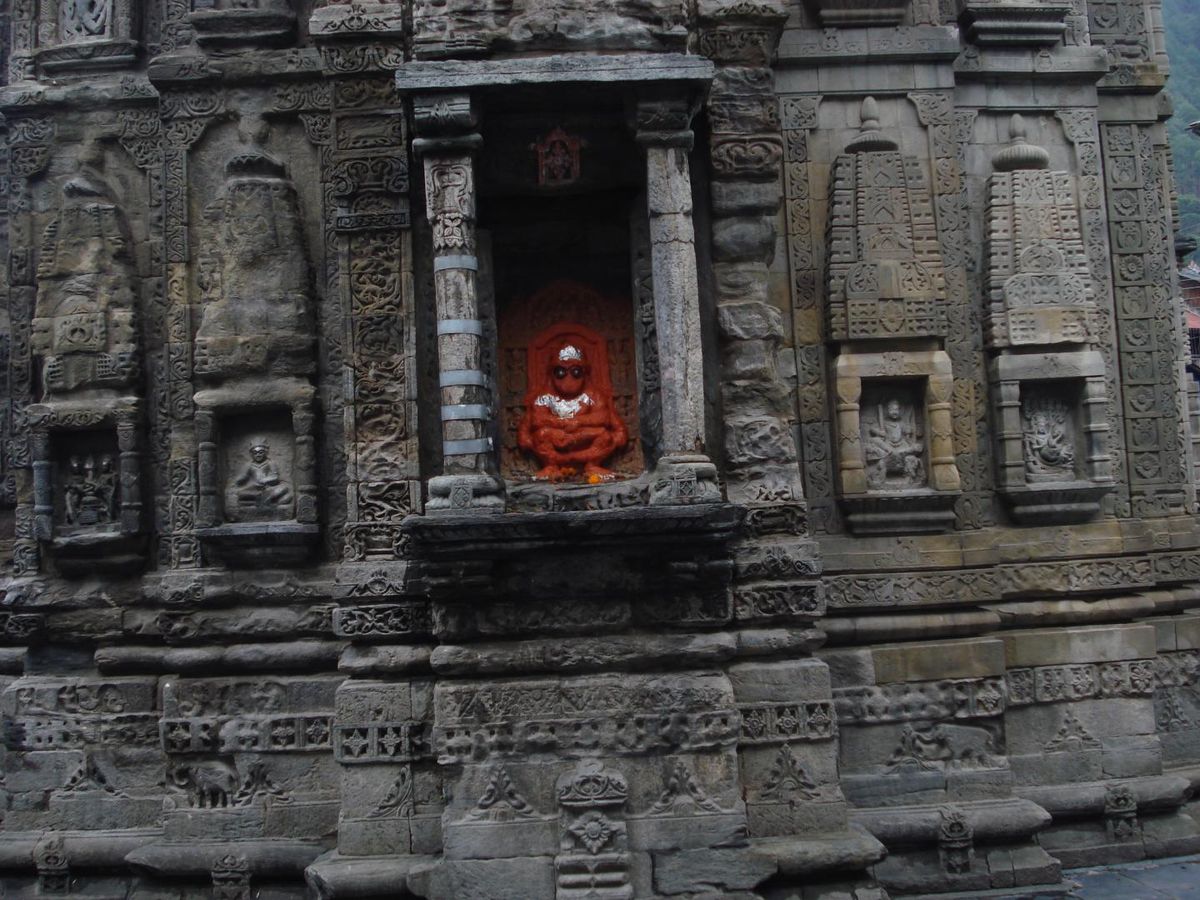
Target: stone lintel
1049	366
946	659
879	47
458	75
1079	646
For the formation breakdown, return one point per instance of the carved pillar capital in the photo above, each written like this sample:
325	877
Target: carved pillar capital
445	123
664	122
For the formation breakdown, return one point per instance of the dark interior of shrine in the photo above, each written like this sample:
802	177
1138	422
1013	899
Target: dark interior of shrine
560	246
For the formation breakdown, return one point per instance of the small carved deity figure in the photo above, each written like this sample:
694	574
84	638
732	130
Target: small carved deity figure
259	491
558	158
894	448
91	491
570	423
1048	450
85	18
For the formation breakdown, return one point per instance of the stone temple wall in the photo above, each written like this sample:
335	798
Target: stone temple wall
896	589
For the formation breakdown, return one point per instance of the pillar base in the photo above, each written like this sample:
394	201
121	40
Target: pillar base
684	478
453	494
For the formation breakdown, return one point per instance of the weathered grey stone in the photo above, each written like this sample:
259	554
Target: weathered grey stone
583	655
898	372
698	871
750	321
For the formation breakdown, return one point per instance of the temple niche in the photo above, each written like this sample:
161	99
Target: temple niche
563	246
893	437
87	35
254	350
1048	374
887	308
86	427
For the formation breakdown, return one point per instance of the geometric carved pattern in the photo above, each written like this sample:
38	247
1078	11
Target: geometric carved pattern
885	269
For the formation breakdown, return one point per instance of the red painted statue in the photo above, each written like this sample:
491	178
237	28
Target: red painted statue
570	423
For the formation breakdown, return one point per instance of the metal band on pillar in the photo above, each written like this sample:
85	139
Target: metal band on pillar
447	140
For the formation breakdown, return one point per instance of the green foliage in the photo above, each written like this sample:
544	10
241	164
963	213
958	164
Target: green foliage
1182	19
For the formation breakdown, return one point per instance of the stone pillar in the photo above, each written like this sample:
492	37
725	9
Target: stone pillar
447	141
664	131
943	472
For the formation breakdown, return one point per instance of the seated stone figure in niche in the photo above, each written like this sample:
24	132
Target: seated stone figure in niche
91	491
1048	450
258	491
570	423
894	448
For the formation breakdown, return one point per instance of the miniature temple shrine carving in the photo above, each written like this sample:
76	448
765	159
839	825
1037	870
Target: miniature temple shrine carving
510	450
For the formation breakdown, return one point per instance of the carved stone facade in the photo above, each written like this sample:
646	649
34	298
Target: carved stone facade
552	450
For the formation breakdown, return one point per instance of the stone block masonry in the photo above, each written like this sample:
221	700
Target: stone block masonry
590	451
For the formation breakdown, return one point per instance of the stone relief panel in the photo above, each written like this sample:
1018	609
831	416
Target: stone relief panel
1041	292
895	462
476	26
1147	322
87	489
1049	432
84	35
255	351
84	336
893	436
253	275
914	229
84	324
885	275
257	467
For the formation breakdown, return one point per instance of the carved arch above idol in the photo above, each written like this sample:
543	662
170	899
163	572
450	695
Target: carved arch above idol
887	310
254	355
86	426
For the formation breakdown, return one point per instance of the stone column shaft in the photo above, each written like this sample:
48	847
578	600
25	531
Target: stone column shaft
448	141
676	292
450	203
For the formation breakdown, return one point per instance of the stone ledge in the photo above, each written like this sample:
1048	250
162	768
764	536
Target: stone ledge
484	536
1155	792
195	859
86	850
557	70
333	875
991	820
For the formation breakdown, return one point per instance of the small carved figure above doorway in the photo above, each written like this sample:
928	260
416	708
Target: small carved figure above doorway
558	159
